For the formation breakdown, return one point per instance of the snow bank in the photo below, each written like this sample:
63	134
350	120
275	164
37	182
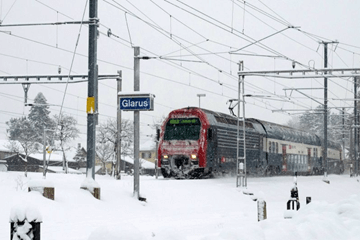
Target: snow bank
89	184
21	212
126	231
41	183
208	209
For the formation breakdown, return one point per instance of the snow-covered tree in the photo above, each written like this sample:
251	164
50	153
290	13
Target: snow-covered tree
294	122
66	132
314	122
106	139
40	117
22	131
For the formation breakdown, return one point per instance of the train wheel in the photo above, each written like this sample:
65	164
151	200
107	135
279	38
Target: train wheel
165	173
277	171
269	171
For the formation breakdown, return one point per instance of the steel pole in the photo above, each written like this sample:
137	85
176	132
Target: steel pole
118	140
92	89
325	112
358	140
237	132
136	124
156	156
44	154
355	129
244	131
343	134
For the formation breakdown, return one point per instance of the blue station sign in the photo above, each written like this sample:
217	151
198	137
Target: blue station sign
138	102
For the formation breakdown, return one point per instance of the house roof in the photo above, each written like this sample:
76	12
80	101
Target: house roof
144	163
55	155
59	169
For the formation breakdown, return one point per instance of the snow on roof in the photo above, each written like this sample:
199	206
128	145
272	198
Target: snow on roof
144	163
59	169
3	161
55	155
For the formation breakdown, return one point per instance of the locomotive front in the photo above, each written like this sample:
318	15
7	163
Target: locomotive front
182	144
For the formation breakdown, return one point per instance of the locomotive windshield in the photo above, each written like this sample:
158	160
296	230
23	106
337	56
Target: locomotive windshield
182	129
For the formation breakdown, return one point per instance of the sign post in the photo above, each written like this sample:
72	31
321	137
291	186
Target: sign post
136	101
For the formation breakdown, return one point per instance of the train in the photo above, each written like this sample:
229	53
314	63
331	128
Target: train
196	142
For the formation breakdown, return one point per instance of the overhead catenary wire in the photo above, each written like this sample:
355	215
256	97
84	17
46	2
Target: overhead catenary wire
52	46
2	20
122	8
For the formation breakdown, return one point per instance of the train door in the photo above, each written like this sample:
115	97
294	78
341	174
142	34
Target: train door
284	158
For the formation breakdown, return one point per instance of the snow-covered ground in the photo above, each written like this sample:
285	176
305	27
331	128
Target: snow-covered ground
206	209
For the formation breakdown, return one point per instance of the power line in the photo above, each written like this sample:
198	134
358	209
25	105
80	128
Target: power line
2	20
214	81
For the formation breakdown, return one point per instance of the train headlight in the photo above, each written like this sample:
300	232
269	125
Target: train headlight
193	157
165	156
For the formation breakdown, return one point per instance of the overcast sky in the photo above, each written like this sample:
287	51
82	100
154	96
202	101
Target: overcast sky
199	33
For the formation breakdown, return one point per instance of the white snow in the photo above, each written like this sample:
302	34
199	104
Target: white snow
40	183
144	163
22	212
89	184
59	169
208	209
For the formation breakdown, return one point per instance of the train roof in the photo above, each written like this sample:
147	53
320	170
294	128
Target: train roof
272	130
286	133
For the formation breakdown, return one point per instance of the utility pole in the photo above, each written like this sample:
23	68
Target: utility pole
343	134
136	124
355	128
200	95
44	154
92	89
118	137
241	178
325	113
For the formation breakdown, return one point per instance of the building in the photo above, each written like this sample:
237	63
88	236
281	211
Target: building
146	167
4	151
35	163
3	166
148	151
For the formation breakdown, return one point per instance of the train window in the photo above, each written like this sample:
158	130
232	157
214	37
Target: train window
269	146
273	147
277	148
182	129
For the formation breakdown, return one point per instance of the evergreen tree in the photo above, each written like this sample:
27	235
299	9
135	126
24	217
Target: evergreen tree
314	122
40	117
